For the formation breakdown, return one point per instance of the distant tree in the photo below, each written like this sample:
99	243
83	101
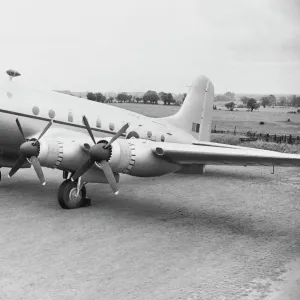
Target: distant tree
282	101
170	98
138	99
183	97
123	97
150	96
100	97
230	106
91	96
265	101
230	95
292	100
295	101
272	99
110	99
252	104
163	97
244	100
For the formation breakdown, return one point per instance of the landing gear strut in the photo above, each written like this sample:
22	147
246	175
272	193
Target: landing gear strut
68	196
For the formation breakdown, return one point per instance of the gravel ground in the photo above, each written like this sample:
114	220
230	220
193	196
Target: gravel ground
230	234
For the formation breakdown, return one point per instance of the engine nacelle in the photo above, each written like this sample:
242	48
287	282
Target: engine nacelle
135	157
69	155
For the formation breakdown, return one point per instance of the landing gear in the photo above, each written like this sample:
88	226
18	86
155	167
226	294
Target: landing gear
68	198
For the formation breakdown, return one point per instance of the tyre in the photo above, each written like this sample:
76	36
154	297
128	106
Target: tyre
67	195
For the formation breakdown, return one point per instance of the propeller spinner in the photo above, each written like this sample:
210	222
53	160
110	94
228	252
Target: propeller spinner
100	153
30	150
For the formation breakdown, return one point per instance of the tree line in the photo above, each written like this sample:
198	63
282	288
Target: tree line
270	100
150	96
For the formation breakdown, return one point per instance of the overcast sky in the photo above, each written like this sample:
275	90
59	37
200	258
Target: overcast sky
136	45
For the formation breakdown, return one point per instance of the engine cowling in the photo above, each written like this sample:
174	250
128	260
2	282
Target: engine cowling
129	156
68	155
135	157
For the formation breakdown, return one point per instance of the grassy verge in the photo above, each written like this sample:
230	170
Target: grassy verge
234	140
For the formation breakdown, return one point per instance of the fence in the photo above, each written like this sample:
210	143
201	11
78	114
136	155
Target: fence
254	136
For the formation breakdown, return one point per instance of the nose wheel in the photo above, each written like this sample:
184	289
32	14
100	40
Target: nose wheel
69	197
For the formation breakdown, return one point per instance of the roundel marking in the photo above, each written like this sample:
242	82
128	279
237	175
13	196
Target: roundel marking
51	113
35	110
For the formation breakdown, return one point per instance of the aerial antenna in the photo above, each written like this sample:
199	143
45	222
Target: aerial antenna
12	73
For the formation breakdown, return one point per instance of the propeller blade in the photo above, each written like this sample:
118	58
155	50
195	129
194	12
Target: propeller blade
20	128
109	176
45	129
19	163
117	135
84	168
38	169
87	125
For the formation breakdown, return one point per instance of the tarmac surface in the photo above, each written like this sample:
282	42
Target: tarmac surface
233	233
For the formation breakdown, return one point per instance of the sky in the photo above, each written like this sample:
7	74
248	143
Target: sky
244	46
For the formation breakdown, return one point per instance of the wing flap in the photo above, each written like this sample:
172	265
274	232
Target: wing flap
210	154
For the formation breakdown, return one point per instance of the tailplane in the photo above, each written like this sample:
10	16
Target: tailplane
195	114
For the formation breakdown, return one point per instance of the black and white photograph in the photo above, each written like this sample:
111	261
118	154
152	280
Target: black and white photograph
150	150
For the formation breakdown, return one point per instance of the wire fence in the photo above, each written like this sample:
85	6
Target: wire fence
266	137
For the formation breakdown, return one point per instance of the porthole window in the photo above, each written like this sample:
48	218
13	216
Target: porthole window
149	134
111	126
35	110
98	123
70	117
162	138
51	113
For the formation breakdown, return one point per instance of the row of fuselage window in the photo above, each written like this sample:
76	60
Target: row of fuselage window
51	114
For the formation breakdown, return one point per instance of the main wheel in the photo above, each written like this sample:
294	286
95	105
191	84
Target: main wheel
67	195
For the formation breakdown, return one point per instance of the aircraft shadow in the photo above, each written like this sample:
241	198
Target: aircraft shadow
201	219
154	209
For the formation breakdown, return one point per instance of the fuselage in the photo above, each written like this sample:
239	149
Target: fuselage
35	108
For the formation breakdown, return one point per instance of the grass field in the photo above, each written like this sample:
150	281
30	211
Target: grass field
275	119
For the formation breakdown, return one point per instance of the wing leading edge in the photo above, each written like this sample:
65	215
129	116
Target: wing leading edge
222	154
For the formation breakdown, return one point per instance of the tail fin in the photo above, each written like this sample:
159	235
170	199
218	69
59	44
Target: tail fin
195	113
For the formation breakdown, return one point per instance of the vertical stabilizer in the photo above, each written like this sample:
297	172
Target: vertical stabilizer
195	114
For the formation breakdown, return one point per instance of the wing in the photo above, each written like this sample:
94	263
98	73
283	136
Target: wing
214	154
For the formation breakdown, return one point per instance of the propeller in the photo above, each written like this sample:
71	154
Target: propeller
30	150
100	153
